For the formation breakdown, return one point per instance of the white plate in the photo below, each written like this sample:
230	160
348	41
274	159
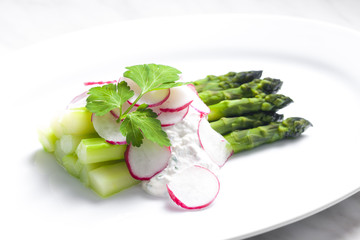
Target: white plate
260	189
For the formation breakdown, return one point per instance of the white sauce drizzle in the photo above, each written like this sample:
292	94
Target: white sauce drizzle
186	151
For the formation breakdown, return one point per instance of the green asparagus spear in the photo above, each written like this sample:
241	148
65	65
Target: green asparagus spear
242	140
226	125
229	80
235	108
246	90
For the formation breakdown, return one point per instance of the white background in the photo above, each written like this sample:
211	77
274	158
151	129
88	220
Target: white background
27	22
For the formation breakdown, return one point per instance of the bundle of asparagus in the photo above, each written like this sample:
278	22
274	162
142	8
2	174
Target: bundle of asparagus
243	109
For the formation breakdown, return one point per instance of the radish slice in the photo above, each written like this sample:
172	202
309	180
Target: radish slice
115	114
200	106
192	87
153	98
108	128
99	83
78	101
195	187
213	143
180	98
146	161
170	118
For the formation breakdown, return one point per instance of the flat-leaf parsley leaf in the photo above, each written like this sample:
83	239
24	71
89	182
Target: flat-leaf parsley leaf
143	123
152	76
108	97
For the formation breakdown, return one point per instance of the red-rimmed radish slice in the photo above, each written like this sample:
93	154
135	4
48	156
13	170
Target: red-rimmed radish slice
153	98
195	187
180	98
200	106
108	128
146	161
170	118
156	110
78	101
115	114
213	143
192	87
99	83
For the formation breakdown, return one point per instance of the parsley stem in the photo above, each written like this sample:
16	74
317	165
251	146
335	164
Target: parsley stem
132	105
120	114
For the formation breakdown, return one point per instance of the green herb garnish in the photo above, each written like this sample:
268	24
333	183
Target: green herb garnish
143	122
108	97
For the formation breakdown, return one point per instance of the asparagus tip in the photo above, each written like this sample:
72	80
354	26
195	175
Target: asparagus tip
296	126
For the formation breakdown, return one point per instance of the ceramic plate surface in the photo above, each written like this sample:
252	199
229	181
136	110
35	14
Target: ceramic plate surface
260	189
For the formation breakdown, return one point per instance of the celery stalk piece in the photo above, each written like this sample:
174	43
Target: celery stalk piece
47	139
69	143
72	165
86	168
58	152
77	122
110	179
56	127
93	150
84	176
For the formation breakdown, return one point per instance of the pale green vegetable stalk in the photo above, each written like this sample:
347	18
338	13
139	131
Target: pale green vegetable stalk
110	179
86	168
73	122
69	143
47	139
95	150
72	165
58	152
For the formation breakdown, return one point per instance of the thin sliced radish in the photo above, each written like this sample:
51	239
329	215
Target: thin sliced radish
146	161
78	101
153	98
156	110
108	128
200	106
213	143
115	114
192	87
99	83
170	118
180	98
195	187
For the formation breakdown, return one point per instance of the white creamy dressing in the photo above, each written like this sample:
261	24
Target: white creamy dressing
186	151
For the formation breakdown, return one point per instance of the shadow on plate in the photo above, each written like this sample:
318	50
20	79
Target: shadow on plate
58	181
